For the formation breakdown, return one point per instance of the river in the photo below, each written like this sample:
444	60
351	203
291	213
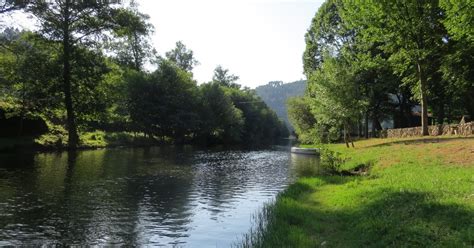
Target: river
161	196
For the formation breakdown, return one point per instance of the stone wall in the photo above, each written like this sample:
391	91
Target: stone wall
453	129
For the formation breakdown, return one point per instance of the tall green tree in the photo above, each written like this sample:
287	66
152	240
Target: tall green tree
224	77
411	34
221	121
72	23
335	100
162	104
459	19
131	42
29	69
182	57
262	125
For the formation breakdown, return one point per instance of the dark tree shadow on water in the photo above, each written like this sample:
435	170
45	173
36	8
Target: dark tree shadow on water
394	219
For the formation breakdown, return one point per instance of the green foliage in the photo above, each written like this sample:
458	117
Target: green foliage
331	161
30	65
392	55
303	121
132	44
223	77
411	33
182	57
456	83
459	19
94	139
161	104
337	101
221	122
327	34
262	125
75	26
55	138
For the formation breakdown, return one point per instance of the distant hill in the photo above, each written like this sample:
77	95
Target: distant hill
275	94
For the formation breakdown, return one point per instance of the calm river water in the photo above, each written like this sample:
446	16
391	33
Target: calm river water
139	196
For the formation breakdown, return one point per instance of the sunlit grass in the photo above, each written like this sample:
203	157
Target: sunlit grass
419	192
95	139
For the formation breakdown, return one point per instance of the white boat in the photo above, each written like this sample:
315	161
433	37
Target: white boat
307	151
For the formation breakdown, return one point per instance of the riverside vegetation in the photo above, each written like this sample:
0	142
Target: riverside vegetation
79	80
417	192
408	63
371	64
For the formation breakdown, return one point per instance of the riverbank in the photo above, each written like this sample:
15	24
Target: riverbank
89	140
418	192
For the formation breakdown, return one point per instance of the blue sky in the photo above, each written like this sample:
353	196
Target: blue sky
260	41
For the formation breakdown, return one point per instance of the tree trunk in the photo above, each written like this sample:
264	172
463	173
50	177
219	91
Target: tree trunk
359	127
373	128
349	137
345	136
136	52
440	118
366	131
71	119
424	102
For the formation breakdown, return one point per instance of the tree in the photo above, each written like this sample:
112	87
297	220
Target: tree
162	104
457	77
328	34
72	23
262	125
223	77
221	122
182	57
335	100
131	43
303	121
12	5
29	66
456	65
459	19
410	32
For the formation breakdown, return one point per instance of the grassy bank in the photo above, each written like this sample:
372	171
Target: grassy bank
418	193
88	140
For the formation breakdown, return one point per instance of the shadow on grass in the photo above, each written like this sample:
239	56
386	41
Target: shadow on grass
422	141
389	219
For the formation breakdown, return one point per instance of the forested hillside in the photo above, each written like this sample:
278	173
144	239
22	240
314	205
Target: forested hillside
276	93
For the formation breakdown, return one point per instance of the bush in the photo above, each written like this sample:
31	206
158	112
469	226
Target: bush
93	139
331	161
56	137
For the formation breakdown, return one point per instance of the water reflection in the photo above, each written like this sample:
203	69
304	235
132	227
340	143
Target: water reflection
149	196
305	165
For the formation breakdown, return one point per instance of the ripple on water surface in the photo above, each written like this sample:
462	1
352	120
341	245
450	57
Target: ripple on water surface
149	196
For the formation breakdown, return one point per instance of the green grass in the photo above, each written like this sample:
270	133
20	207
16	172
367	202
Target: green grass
418	193
57	139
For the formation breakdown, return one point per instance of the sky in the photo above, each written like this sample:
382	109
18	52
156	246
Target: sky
259	41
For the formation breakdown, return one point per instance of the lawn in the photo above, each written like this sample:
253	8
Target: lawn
418	193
